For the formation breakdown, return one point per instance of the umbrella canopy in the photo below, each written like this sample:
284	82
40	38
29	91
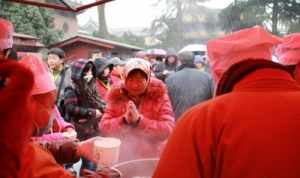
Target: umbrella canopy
156	52
141	54
65	5
194	48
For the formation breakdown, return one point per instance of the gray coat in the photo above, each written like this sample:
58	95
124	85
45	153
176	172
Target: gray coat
188	87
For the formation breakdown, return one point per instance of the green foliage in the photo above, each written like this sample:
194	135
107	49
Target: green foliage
241	15
164	29
31	20
280	16
169	27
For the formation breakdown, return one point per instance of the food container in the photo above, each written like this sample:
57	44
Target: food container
106	151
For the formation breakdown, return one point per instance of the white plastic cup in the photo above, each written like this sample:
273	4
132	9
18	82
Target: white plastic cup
106	151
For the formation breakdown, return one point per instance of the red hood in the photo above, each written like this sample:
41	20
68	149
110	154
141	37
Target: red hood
241	69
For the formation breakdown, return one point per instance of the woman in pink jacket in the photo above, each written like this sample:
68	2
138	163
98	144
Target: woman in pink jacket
139	112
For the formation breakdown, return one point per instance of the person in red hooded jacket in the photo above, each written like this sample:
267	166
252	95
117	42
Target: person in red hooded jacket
251	129
117	72
104	80
15	127
24	104
138	112
288	53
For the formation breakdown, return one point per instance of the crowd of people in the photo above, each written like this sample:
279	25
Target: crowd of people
233	114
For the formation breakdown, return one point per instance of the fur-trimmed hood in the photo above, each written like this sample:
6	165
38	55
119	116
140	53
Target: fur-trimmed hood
156	89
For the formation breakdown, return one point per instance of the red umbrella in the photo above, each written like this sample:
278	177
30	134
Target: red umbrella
141	54
156	52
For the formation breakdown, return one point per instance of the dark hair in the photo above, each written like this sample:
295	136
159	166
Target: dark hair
101	64
57	51
87	67
159	58
12	54
186	57
96	51
134	71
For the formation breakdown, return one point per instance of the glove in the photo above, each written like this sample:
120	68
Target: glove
64	151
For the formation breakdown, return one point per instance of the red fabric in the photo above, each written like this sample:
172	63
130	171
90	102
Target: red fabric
43	81
116	80
6	34
251	43
250	132
289	50
37	162
157	121
59	124
116	75
19	158
15	115
297	73
104	90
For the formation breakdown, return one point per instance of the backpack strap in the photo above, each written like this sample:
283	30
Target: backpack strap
61	84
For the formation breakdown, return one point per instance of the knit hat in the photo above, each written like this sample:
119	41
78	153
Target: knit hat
137	63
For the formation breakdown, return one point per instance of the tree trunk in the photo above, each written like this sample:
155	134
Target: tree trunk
275	12
179	22
103	32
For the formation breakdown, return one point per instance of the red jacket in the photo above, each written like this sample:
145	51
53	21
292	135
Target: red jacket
16	116
116	74
251	132
156	124
39	163
103	89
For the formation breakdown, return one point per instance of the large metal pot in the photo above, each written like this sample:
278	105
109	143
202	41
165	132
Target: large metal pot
137	168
